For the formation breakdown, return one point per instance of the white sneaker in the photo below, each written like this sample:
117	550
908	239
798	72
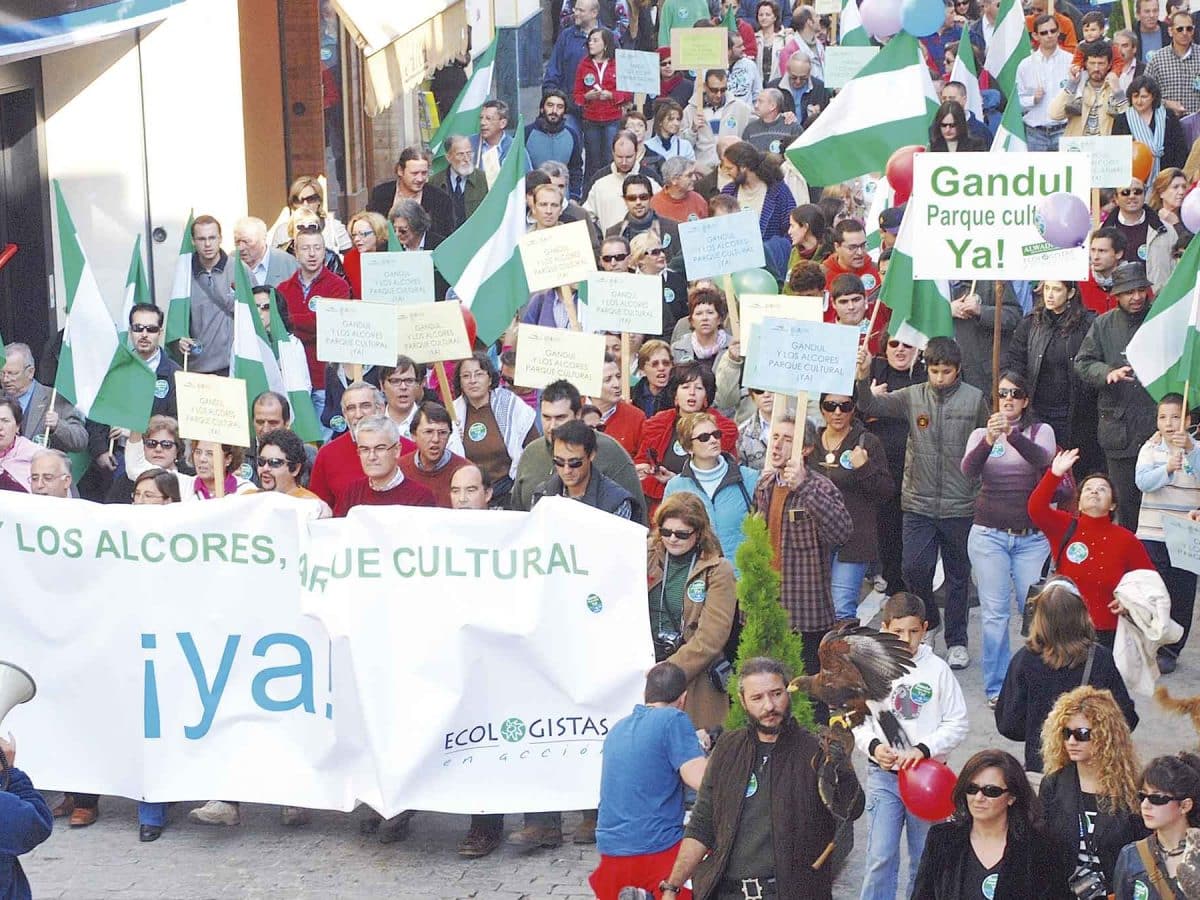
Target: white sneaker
216	812
958	657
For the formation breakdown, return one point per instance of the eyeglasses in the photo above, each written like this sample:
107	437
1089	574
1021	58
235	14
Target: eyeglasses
145	495
164	444
681	534
145	329
991	791
894	344
263	307
270	462
718	90
856	248
575	462
1184	28
406	381
309	228
1131	192
310	199
378	450
1083	735
362	235
635	198
705	436
1011	393
1155	799
1046	33
845	406
614	257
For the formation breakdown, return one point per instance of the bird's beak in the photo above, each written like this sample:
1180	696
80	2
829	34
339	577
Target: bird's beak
795	685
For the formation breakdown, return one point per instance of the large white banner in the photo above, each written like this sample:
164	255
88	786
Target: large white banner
477	659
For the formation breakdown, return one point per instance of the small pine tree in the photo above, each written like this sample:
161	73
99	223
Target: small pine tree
766	630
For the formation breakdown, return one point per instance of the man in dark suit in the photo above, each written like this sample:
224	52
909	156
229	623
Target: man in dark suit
413	229
461	181
412	177
65	424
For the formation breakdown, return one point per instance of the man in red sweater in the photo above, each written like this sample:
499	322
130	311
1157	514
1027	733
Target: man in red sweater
432	465
1105	250
850	256
337	465
300	292
383	484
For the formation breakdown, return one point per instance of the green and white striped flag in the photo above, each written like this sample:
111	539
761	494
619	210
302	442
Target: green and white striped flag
137	288
965	73
293	367
1008	47
1010	136
883	199
888	105
920	309
850	27
179	307
1163	350
97	372
252	358
480	260
463	117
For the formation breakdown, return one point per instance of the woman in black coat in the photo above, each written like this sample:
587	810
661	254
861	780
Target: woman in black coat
994	845
1042	349
1142	120
950	132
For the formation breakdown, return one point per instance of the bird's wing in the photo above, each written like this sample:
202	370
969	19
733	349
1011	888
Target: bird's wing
880	658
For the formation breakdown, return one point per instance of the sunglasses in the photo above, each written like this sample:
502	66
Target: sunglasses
310	199
895	344
263	307
363	235
1083	735
309	228
1131	192
1011	393
147	329
575	462
705	436
837	406
634	198
991	791
615	257
1046	33
655	251
271	463
681	533
165	444
1155	799
1184	29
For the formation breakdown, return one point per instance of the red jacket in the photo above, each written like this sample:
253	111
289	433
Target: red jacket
868	273
657	435
303	315
599	110
337	467
1094	297
625	426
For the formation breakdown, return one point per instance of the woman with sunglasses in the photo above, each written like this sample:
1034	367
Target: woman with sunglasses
690	592
994	845
1009	455
307	196
950	133
1148	121
723	486
647	257
1089	793
1170	807
1060	654
1042	351
368	231
160	448
853	459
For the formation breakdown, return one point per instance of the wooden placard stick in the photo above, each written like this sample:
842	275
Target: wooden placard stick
798	437
1095	207
999	301
625	393
185	360
569	304
731	299
439	369
219	471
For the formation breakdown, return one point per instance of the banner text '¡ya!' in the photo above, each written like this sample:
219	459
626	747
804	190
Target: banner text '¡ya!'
432	561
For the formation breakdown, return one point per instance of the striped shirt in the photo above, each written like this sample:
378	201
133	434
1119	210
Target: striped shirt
1174	493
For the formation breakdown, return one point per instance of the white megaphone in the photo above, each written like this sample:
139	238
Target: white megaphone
16	687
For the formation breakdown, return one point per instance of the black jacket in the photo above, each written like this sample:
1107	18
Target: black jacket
434	201
1060	796
1175	142
602	492
818	96
1033	867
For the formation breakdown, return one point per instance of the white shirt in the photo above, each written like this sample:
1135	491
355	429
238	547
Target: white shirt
1051	74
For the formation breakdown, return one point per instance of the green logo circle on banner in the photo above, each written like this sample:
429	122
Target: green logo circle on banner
512	730
594	603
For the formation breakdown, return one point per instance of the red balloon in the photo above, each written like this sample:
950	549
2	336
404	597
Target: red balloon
1143	162
927	789
899	171
469	321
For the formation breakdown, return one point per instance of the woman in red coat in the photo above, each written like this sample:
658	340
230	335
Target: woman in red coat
1098	552
661	456
368	232
597	96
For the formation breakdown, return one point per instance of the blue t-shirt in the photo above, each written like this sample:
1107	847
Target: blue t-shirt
641	793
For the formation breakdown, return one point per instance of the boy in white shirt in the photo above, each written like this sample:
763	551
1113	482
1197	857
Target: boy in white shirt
929	706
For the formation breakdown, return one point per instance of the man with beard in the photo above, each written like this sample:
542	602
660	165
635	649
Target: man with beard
281	460
743	838
464	183
552	137
412	183
605	198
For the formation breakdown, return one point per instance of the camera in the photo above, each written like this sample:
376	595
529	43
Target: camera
665	644
1088	885
719	674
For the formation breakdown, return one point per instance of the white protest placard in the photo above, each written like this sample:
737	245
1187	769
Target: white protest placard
398	277
621	301
548	354
212	408
432	332
1183	542
976	214
721	245
637	72
352	331
699	49
753	308
1111	156
827	8
556	256
790	356
843	63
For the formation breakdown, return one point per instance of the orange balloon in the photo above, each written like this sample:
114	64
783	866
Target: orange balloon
1143	162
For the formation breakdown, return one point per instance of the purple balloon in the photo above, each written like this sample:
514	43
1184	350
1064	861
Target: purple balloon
1189	213
1064	220
880	18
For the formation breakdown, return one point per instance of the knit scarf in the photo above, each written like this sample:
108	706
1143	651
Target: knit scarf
710	479
707	352
1153	138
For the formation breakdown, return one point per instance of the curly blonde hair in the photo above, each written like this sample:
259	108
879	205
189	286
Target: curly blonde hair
1116	760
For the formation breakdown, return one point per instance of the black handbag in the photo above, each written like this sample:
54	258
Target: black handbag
1048	571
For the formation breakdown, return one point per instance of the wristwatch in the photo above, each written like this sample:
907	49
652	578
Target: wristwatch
664	886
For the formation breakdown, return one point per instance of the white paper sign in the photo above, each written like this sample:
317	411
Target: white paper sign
637	72
398	277
351	331
721	245
1112	157
843	63
557	256
789	356
620	301
548	354
976	215
1183	542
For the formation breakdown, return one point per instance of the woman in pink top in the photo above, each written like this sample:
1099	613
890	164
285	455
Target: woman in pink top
16	452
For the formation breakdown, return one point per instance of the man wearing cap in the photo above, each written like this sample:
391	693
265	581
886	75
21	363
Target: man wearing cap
1148	239
889	227
1128	415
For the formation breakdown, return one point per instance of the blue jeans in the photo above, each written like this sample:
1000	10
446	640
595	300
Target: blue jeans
597	145
887	816
318	401
923	538
1002	564
846	583
152	813
1044	139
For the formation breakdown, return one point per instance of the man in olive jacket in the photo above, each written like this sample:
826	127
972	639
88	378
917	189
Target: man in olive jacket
1128	414
937	499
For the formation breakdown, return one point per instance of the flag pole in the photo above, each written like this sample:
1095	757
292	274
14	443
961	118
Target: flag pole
53	400
999	301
